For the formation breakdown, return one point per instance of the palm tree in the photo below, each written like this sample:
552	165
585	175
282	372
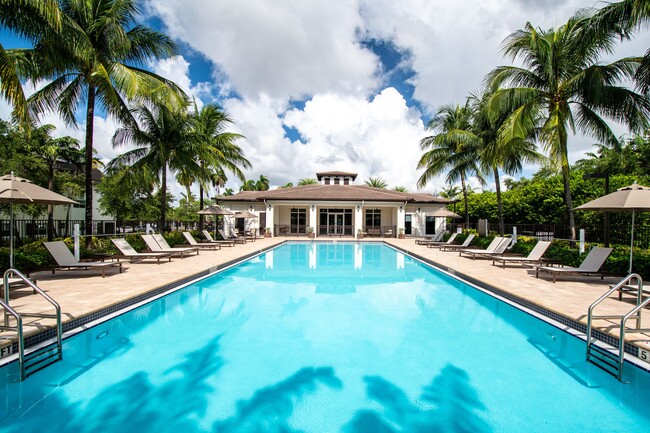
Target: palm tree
400	189
562	88
96	59
376	182
496	152
163	143
248	185
209	130
29	19
307	181
287	185
228	192
454	149
623	18
262	183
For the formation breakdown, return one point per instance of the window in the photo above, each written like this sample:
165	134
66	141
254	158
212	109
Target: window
373	218
336	181
298	220
327	180
346	181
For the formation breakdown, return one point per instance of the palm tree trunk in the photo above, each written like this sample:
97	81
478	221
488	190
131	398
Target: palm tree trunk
50	208
568	201
200	205
163	199
88	168
502	226
464	188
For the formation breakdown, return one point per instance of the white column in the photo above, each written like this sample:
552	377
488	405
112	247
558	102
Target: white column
269	219
401	213
358	218
313	221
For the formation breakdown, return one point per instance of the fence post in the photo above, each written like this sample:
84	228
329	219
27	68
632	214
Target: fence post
582	241
514	235
75	234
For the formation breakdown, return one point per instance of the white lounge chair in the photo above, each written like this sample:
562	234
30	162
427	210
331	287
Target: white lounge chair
497	247
210	239
432	244
590	265
66	260
535	255
129	253
155	247
193	243
236	239
437	236
454	247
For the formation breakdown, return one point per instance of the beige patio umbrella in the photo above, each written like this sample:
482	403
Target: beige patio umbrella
630	198
215	210
17	190
245	214
445	213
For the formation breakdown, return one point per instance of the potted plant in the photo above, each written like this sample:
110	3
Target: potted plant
267	232
401	233
310	232
359	234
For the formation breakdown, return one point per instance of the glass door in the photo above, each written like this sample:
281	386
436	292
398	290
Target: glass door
335	223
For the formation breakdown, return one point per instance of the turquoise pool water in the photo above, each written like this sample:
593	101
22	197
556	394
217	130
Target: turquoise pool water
325	338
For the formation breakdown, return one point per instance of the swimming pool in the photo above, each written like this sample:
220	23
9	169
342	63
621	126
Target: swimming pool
325	338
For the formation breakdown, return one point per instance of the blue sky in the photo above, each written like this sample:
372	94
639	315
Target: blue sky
345	85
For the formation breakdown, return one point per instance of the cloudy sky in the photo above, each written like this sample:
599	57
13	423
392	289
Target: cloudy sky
318	85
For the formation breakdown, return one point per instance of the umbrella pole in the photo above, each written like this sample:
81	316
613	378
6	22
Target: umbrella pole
11	235
631	243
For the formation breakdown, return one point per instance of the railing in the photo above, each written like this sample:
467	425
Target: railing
334	230
380	231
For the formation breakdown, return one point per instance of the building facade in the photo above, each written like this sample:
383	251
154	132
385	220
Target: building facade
336	207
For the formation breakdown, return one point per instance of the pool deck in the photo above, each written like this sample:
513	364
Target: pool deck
82	294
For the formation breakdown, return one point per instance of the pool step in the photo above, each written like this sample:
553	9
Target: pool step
603	358
41	358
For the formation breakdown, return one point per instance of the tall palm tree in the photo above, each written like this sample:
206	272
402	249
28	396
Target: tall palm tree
96	58
497	153
308	181
563	88
454	149
223	154
400	189
624	18
376	182
262	183
164	143
248	185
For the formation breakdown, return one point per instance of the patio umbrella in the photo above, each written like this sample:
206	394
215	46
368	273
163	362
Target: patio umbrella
245	214
445	213
630	198
214	210
15	189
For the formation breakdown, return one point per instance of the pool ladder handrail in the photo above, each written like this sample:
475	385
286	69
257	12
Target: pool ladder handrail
613	361
41	356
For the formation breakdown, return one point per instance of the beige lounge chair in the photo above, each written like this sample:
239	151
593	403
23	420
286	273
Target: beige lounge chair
535	255
251	235
223	243
66	260
454	247
590	265
129	253
496	248
437	236
194	243
166	247
432	244
236	239
156	248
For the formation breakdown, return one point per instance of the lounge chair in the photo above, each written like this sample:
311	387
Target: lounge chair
251	235
223	243
432	244
66	260
497	247
194	243
454	247
437	237
156	248
166	247
129	253
235	239
590	265
535	255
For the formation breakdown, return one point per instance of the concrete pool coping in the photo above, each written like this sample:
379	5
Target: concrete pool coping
86	296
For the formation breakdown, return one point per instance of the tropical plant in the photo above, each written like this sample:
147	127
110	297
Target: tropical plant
228	192
262	183
163	143
221	152
376	182
307	181
287	185
453	149
563	88
93	55
497	153
400	189
248	185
